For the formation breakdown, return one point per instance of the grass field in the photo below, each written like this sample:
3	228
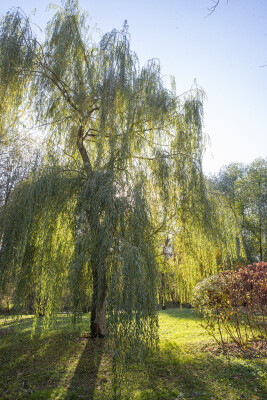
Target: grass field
65	364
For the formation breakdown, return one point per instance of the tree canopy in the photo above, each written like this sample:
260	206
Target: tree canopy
124	173
245	188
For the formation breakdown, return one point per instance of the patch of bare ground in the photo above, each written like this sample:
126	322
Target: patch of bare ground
253	349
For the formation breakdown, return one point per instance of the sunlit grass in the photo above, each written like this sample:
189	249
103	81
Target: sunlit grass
65	364
181	326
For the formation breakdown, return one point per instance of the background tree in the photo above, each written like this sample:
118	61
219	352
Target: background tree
96	221
245	189
17	158
254	185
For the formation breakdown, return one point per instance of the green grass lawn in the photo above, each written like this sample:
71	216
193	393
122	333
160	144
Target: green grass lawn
64	364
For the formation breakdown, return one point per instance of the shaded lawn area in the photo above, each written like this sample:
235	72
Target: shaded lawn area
65	364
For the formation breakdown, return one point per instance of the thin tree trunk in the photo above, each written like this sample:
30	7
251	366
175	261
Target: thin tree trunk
260	240
261	252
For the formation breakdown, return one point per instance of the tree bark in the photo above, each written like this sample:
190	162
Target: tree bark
98	315
83	151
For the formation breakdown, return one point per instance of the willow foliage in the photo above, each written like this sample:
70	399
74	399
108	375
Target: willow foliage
93	223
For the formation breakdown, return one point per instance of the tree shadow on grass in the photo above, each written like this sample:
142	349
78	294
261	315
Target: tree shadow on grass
174	373
66	364
89	381
182	313
48	366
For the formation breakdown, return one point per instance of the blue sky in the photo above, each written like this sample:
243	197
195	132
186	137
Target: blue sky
223	52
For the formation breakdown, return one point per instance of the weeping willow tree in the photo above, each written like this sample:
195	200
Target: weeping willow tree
93	223
205	240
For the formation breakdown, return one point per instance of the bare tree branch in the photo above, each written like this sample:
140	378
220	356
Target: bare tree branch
214	7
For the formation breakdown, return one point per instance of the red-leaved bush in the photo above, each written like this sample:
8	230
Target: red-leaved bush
234	305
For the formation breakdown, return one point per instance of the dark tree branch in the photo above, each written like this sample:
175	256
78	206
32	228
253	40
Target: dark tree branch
83	150
213	8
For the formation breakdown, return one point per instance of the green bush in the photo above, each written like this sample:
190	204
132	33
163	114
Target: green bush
207	293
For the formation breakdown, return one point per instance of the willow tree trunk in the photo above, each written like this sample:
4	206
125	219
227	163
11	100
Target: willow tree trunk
98	315
98	265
